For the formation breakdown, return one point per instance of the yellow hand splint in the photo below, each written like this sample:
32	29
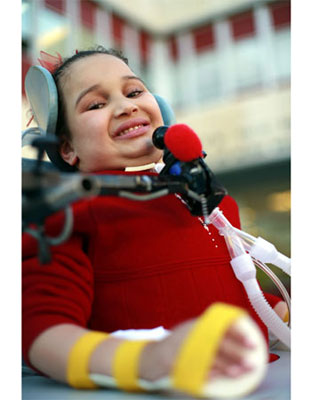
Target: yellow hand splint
79	357
125	366
193	362
198	352
199	349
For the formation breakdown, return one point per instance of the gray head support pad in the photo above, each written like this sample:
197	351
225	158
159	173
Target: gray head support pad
42	94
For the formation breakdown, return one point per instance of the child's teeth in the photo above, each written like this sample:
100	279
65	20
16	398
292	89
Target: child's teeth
130	129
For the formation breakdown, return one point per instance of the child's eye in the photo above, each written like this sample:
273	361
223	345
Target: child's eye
96	106
134	93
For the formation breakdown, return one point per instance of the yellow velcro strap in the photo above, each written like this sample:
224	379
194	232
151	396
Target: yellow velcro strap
126	364
79	357
286	317
199	349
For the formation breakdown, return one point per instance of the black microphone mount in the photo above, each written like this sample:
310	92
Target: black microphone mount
195	174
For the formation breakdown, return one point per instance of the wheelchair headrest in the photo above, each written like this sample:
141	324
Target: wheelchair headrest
42	95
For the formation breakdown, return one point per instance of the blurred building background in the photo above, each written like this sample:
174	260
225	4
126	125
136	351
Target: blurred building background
223	65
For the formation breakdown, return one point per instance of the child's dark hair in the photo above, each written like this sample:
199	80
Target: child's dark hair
62	129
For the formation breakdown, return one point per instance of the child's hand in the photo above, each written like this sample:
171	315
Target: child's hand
158	358
282	310
229	360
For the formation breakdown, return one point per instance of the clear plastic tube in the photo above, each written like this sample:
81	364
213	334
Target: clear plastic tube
234	243
248	240
245	271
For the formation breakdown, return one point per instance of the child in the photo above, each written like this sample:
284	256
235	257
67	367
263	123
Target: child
128	265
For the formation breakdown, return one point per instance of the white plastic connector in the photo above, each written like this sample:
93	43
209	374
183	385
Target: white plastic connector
243	267
263	250
266	252
283	262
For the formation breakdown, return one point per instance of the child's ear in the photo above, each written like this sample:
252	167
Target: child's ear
68	153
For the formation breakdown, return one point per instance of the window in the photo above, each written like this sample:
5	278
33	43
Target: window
209	85
247	63
117	29
56	5
173	48
144	46
204	38
280	14
242	25
87	10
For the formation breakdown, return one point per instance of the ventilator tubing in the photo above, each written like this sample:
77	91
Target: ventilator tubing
264	251
245	271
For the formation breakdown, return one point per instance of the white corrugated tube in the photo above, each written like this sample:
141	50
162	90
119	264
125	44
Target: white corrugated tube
245	271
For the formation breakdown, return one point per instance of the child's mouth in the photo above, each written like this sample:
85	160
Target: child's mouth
132	132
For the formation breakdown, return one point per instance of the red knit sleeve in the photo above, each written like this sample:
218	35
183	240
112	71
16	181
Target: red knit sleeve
54	293
272	299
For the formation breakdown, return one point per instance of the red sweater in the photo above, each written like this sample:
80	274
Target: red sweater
129	265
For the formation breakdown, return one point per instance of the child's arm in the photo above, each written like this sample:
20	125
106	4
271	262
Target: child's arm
50	350
57	303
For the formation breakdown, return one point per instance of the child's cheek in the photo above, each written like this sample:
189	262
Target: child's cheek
153	110
94	119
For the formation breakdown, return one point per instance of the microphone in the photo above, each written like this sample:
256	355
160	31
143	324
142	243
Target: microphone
180	140
183	158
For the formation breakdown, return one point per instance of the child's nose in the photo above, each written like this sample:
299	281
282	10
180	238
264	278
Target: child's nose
125	107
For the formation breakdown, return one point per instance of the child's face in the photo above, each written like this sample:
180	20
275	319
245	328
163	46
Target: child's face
111	116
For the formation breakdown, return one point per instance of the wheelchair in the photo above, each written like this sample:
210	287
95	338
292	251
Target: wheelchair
43	98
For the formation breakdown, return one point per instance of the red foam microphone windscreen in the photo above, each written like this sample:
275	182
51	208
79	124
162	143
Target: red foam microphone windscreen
183	142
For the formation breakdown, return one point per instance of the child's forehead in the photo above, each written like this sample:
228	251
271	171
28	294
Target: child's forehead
98	64
94	69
